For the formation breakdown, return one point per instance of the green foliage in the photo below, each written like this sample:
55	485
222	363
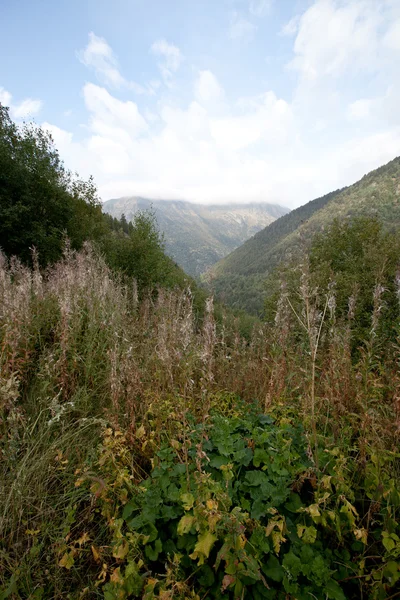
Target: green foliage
40	202
354	263
235	508
240	276
137	251
354	257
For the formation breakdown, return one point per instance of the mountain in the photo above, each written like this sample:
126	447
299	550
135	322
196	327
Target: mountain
239	279
196	235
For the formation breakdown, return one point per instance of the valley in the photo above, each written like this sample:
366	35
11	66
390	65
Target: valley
197	235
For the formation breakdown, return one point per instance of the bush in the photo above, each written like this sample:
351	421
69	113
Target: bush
235	508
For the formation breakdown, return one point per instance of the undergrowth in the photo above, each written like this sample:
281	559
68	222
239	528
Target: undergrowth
148	453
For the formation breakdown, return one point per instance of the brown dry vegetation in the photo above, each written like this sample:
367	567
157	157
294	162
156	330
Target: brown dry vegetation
80	355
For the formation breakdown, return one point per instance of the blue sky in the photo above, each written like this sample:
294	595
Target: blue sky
209	100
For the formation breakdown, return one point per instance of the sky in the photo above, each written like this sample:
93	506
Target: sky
208	100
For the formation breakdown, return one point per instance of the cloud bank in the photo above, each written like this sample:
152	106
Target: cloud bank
214	148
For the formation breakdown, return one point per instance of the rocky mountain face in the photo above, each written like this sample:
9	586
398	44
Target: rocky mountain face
197	235
239	279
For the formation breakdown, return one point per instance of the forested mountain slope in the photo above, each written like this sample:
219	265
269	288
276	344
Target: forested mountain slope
196	235
239	278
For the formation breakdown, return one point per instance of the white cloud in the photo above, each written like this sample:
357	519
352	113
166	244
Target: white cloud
188	153
240	27
207	89
267	119
5	97
377	111
260	8
255	151
27	108
291	27
392	37
99	56
360	109
334	37
112	117
171	58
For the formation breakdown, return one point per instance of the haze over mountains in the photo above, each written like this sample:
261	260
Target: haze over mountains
239	279
198	235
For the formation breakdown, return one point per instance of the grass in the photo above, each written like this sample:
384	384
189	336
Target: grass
93	383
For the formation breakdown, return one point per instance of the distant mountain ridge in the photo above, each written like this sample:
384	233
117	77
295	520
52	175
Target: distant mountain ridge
198	235
239	278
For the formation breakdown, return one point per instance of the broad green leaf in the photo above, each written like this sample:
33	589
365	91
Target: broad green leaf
274	569
260	457
152	552
334	591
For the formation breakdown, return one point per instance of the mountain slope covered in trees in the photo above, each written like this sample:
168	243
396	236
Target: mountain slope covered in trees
196	235
239	279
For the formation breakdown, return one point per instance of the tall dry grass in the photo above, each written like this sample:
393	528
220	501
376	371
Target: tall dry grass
78	351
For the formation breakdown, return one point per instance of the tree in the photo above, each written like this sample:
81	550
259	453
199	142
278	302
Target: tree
351	259
357	255
41	203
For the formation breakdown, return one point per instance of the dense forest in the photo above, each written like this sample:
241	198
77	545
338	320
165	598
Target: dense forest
154	445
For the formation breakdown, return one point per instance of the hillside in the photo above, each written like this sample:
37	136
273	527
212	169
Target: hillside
239	278
197	236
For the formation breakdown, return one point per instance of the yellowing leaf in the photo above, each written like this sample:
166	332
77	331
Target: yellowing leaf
140	432
212	520
240	542
277	540
121	550
227	581
362	535
83	539
203	547
350	511
123	495
116	576
175	444
187	501
314	511
212	504
277	522
185	524
300	530
308	534
103	573
96	554
269	527
32	531
326	482
66	561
